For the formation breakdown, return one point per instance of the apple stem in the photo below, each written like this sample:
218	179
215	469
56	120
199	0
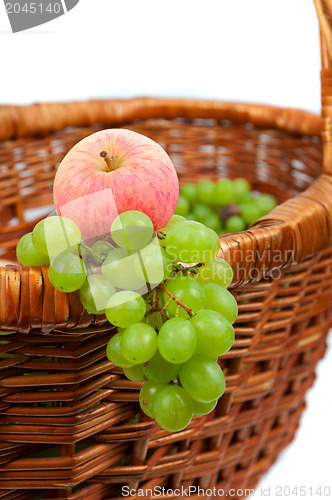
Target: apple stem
108	160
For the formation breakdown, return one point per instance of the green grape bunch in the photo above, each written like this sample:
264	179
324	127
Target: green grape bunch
170	338
226	206
166	294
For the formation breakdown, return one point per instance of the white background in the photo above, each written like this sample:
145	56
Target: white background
241	50
249	50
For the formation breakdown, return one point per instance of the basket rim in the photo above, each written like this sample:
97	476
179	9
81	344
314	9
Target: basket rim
18	121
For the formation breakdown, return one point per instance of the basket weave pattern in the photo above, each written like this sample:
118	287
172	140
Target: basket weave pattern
59	396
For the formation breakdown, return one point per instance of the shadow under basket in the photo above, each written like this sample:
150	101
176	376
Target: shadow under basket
69	427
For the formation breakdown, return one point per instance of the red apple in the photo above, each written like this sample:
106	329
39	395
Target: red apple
113	171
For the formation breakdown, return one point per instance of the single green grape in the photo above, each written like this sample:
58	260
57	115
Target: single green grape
205	191
154	263
223	193
177	340
67	272
134	373
155	320
214	222
169	315
215	244
202	211
147	395
266	203
114	353
215	334
216	271
202	378
221	300
203	408
240	188
95	292
122	269
132	230
27	255
139	343
176	219
102	247
188	291
158	369
54	235
172	408
250	212
235	224
125	308
191	242
189	191
182	207
246	198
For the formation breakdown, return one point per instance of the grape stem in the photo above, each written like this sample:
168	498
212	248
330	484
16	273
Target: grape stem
154	299
167	303
178	268
176	300
91	253
110	240
89	269
148	297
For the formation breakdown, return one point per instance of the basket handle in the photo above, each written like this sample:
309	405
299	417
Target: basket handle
302	226
324	13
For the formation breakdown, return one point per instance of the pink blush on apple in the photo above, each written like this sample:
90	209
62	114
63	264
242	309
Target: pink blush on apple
99	208
113	171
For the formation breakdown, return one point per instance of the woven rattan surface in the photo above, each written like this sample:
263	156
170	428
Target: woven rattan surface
68	424
59	395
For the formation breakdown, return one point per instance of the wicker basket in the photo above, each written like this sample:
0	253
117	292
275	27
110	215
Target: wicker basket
61	399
